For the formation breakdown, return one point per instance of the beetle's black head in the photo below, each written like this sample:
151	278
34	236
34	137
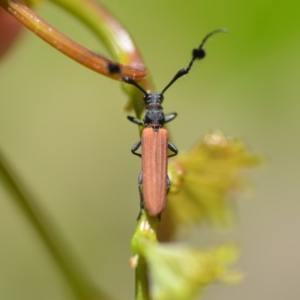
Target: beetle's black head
153	98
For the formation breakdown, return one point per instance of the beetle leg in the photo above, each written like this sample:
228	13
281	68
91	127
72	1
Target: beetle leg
140	183
172	148
135	147
168	184
170	117
135	120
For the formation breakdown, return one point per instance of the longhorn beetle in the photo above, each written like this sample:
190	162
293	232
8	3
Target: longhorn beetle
153	180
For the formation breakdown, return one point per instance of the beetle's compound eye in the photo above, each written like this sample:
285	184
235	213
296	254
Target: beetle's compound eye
148	98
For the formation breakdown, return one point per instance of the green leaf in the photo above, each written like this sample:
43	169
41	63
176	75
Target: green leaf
205	179
179	272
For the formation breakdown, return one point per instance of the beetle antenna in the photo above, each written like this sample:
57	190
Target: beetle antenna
115	69
197	53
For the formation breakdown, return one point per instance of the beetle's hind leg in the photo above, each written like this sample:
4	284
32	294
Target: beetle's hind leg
142	203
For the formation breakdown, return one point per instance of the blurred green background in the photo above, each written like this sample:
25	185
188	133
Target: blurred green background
64	129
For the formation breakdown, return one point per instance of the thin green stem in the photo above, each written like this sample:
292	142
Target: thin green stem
146	230
77	279
141	281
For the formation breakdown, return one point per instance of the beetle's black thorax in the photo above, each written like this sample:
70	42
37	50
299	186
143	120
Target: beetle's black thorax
154	116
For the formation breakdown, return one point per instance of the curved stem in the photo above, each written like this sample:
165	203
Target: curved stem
86	57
